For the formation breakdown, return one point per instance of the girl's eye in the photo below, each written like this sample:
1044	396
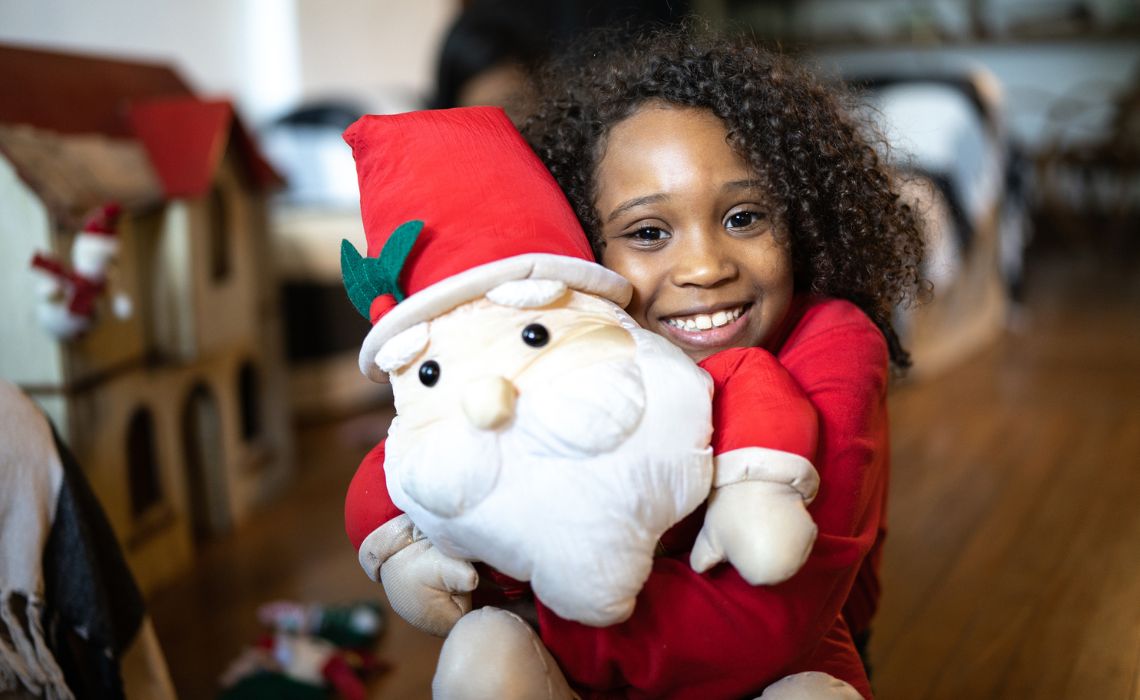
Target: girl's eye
743	219
647	234
429	373
535	335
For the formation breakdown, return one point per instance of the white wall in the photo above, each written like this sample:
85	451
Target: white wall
383	51
265	54
28	354
202	38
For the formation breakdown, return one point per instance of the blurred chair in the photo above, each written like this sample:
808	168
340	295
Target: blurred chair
946	135
1089	187
305	144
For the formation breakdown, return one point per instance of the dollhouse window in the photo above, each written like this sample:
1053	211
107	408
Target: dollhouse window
142	463
249	389
219	235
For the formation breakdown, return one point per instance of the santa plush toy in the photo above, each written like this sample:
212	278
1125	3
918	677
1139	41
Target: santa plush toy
541	437
68	297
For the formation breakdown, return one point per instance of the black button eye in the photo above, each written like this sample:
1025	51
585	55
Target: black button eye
429	373
535	335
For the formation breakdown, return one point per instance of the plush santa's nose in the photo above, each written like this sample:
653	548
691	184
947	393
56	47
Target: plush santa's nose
489	402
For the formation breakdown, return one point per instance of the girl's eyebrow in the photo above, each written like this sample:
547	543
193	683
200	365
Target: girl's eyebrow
742	185
635	202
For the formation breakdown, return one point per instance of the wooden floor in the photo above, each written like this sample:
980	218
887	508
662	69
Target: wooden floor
1013	563
295	550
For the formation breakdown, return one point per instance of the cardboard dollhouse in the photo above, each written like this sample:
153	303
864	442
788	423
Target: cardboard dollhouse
175	411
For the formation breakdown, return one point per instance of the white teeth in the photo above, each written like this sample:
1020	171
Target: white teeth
704	322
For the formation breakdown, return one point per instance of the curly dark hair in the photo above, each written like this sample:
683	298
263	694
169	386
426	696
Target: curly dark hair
851	236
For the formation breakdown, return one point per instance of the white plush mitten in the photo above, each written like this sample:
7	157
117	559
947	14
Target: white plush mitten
810	685
427	588
493	653
761	528
757	517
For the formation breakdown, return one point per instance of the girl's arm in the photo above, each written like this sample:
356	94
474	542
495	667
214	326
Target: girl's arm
714	635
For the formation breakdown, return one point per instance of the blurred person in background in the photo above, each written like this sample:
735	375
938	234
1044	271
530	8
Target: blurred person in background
489	51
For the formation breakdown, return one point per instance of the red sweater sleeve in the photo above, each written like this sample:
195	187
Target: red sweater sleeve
757	403
714	635
367	505
854	457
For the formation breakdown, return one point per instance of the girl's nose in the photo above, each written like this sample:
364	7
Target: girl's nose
703	262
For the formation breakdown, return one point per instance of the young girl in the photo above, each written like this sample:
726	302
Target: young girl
748	210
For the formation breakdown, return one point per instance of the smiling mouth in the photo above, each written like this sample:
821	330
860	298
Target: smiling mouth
696	323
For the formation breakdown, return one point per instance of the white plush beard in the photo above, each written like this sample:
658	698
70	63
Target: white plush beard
575	494
450	466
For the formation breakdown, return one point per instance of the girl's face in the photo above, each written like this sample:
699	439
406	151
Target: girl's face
685	220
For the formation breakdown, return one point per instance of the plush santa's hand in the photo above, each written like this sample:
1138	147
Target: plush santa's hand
427	588
757	517
810	685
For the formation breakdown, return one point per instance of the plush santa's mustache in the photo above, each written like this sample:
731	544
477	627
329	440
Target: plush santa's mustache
447	469
581	413
450	466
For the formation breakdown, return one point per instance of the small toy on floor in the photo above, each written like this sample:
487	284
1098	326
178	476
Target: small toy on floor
311	651
352	626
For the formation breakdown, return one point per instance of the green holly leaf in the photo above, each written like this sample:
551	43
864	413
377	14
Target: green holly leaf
360	278
396	250
367	278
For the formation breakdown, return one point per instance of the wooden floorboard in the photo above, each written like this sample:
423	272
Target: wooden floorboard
1012	569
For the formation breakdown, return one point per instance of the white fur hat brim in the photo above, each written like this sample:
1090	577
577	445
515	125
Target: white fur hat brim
578	274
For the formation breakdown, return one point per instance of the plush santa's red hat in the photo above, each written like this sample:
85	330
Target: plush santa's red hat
454	203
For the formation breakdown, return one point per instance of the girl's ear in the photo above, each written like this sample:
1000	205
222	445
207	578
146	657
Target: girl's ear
527	294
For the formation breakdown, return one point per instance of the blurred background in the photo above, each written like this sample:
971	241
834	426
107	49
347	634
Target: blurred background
214	400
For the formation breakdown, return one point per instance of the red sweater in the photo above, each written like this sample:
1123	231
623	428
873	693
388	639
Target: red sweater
713	635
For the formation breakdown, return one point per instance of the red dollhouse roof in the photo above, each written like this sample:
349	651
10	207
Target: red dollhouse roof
184	137
76	94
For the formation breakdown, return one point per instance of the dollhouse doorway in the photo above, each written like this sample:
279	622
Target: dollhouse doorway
205	464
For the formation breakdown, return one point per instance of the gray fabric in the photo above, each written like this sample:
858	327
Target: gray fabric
30	479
